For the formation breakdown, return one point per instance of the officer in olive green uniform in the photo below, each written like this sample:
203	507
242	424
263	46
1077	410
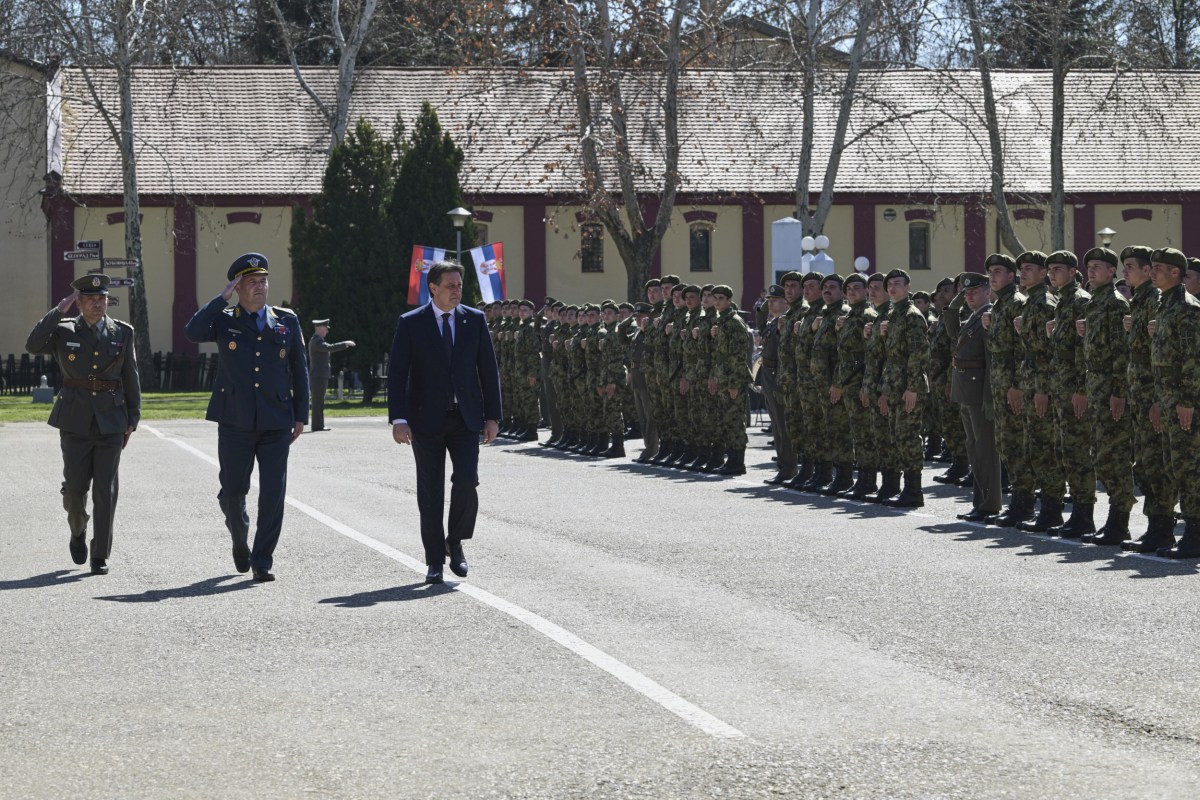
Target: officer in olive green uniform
319	371
970	389
96	411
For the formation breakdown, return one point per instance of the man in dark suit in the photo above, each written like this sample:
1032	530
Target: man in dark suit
259	402
97	410
971	389
443	393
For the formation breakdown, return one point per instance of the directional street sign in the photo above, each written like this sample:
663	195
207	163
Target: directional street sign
119	263
89	244
113	301
120	281
80	255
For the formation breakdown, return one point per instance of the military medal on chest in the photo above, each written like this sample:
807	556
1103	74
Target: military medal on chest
233	345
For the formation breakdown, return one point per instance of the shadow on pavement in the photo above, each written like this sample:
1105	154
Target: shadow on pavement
395	594
204	588
56	578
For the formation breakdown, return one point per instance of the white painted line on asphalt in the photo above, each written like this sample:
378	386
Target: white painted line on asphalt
690	713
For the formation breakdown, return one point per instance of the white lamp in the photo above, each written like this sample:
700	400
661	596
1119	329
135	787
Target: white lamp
862	264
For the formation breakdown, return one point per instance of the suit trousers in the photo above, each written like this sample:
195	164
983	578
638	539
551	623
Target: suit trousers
91	461
429	451
317	388
237	449
645	412
983	456
786	456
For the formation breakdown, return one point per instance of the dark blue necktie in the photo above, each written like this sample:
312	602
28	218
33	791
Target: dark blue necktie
447	336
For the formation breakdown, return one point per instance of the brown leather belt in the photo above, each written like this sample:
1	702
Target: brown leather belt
960	364
93	385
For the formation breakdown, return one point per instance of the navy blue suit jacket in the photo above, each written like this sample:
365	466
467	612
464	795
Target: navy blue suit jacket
262	378
421	385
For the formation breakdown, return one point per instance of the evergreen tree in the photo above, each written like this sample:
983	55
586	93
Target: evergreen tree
426	188
344	265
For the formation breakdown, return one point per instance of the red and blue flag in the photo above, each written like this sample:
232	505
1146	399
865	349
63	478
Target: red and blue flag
489	266
422	259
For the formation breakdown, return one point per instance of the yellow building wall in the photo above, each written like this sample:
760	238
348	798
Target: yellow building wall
676	249
947	242
508	226
1163	229
158	264
839	227
565	278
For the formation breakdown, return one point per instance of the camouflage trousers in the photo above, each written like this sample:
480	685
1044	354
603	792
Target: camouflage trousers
703	414
1010	441
1043	451
905	433
862	435
610	415
731	421
660	402
1150	471
1075	448
793	411
880	452
1183	461
836	439
524	401
1112	454
808	447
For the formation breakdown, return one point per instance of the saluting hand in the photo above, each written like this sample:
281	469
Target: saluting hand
230	288
1156	418
65	304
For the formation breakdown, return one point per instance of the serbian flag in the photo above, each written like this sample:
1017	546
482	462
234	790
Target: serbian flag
489	266
422	259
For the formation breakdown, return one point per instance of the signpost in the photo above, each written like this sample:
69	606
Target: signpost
120	281
89	244
80	255
119	263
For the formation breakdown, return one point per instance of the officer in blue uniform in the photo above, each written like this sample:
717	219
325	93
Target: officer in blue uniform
259	402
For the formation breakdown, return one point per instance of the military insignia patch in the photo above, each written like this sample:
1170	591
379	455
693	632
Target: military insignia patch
233	345
71	357
95	282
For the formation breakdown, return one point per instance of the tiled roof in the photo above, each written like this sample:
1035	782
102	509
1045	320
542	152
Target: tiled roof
252	130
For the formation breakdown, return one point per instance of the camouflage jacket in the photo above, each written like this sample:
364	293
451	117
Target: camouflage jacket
906	351
527	350
1175	350
1034	375
1067	377
873	352
1004	348
1140	372
696	345
852	348
787	341
823	358
731	345
1105	345
803	341
941	347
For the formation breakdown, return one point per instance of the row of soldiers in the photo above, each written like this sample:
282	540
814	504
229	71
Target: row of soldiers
678	364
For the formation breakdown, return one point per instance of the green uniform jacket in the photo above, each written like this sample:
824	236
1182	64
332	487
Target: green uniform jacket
852	347
1140	372
1004	347
1040	305
731	352
1105	346
874	355
1069	371
823	358
906	351
1175	350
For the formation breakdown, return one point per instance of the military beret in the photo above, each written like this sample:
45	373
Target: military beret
775	290
897	273
723	290
943	283
625	306
812	276
675	287
673	279
1194	264
708	287
1000	260
1171	256
608	305
922	295
1063	257
971	280
650	284
1140	252
1101	254
93	283
558	305
565	309
856	277
525	304
249	264
791	276
324	322
642	308
834	278
691	288
1032	257
876	277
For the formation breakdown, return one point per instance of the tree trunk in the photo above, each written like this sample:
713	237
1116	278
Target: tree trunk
808	124
1058	212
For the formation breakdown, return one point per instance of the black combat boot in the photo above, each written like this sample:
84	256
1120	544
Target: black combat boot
616	449
865	486
553	441
843	479
685	456
703	456
933	448
716	460
968	480
803	475
782	476
889	487
1080	524
822	475
912	496
1020	508
665	448
1050	515
735	462
1115	530
1189	543
952	476
1159	535
529	434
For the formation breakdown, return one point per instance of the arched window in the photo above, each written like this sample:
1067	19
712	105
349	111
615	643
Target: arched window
481	234
591	246
700	239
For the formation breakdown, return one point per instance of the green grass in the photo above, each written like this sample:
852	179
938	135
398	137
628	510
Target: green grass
172	405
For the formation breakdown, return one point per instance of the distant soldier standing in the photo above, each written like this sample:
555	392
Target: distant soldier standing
848	378
970	389
873	451
319	372
730	379
905	387
769	375
1005	354
96	412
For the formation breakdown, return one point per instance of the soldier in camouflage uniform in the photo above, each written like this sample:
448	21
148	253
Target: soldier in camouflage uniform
730	379
810	404
671	428
768	375
1174	345
830	421
638	381
1068	393
1150	471
686	402
651	344
525	378
609	375
874	452
946	421
567	348
788	391
848	379
548	325
1005	354
1106	361
904	389
626	325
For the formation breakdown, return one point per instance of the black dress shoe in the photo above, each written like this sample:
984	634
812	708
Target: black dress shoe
99	567
241	560
458	559
434	575
79	550
263	576
976	515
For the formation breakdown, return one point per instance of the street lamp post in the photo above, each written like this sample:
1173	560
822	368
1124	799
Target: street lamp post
459	216
1106	236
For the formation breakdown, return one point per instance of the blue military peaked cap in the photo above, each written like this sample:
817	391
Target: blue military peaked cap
249	264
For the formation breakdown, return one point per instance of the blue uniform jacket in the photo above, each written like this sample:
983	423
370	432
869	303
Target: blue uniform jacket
262	378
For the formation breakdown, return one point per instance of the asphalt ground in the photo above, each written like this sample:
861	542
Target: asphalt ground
625	632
